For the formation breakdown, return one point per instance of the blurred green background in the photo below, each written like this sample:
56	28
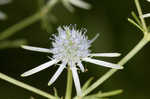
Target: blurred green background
108	18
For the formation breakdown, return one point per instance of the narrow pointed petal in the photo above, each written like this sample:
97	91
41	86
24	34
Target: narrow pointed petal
76	81
39	68
67	5
146	15
105	54
58	72
102	63
80	3
91	41
38	49
81	66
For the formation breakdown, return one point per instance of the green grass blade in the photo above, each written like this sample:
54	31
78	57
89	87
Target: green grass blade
87	83
12	44
136	18
135	24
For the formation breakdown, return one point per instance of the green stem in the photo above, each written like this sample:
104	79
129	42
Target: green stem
44	20
26	86
124	60
140	15
28	21
12	44
69	85
111	93
134	51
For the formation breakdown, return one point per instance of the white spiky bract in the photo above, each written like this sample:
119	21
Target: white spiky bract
70	47
148	0
78	3
146	15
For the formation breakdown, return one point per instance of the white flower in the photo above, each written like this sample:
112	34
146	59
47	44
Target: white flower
78	3
70	47
3	15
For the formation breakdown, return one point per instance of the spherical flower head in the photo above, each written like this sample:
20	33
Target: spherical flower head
70	47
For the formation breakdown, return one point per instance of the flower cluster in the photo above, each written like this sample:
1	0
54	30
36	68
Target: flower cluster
70	48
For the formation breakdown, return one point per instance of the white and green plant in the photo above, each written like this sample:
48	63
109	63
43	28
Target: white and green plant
70	46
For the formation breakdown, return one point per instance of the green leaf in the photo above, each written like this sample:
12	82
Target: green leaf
136	18
93	97
41	3
108	94
148	28
67	5
135	24
48	19
101	95
12	44
55	92
87	83
47	22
